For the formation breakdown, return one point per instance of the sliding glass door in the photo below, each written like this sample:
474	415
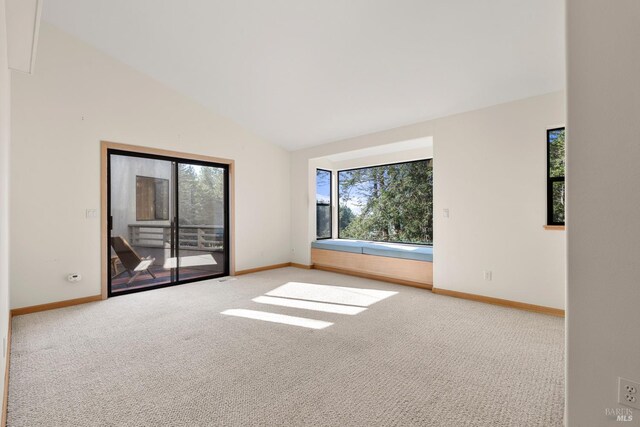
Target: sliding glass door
202	195
168	221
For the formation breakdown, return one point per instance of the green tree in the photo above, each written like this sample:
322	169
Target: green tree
201	193
187	178
392	203
346	215
557	163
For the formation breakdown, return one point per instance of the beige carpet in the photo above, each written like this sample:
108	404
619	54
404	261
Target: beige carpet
168	357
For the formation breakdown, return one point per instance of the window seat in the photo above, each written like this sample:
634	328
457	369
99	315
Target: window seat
393	250
354	246
394	262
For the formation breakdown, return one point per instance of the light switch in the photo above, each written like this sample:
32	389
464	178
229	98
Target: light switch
445	213
91	213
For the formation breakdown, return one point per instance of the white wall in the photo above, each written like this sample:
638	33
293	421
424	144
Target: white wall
22	29
79	96
5	91
382	159
603	315
490	171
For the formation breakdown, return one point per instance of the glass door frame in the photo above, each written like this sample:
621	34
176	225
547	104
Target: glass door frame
122	150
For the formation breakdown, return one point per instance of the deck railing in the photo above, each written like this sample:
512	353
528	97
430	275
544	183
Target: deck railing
195	237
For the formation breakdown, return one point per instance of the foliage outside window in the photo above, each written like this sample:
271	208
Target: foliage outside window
200	195
323	204
389	203
152	198
555	176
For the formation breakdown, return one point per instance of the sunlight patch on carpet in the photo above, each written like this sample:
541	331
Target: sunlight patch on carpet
310	305
330	294
278	318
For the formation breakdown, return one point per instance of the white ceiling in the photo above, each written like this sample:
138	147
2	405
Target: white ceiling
305	72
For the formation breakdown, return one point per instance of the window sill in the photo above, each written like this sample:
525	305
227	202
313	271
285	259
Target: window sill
554	227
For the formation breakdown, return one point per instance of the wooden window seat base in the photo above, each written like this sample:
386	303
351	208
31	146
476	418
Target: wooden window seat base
395	270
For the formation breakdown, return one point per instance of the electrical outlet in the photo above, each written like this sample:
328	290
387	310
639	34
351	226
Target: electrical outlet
629	393
488	275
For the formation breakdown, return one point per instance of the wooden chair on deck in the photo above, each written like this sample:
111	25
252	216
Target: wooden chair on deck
134	265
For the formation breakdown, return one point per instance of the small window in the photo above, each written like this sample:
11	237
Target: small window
152	198
555	176
323	204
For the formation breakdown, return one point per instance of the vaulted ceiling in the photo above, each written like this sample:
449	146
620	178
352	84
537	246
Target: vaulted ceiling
305	72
